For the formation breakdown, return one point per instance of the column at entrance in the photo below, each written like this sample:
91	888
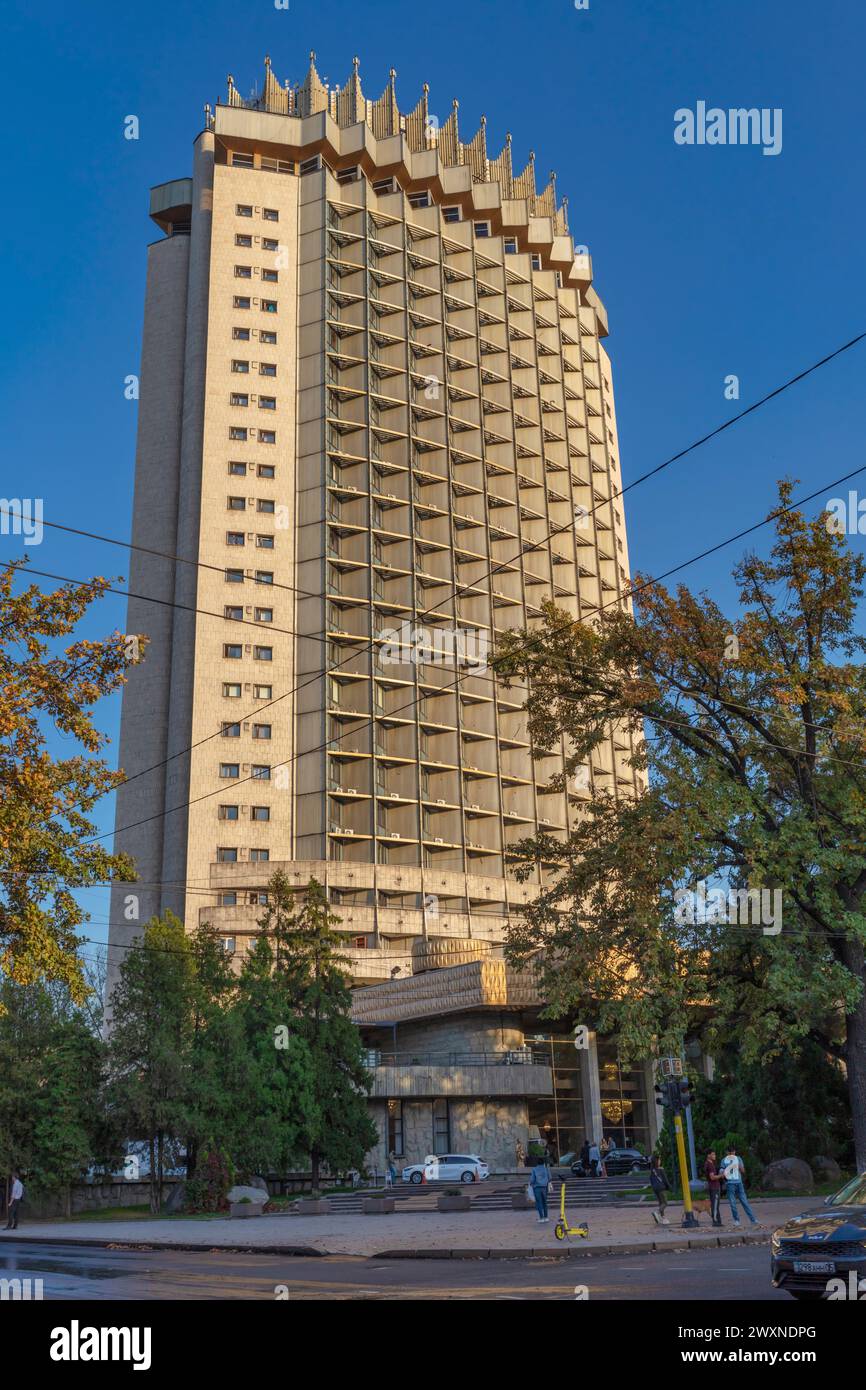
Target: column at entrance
591	1090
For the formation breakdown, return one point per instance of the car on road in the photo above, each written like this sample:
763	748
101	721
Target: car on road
616	1161
823	1252
447	1168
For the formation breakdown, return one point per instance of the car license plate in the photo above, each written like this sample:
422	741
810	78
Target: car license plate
814	1267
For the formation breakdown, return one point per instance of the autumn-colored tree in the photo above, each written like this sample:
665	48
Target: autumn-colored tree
756	754
45	801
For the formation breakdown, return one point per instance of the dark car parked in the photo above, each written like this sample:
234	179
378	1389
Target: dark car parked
616	1161
819	1247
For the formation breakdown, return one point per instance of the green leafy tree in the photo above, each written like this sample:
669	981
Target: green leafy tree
336	1129
756	753
45	801
151	1008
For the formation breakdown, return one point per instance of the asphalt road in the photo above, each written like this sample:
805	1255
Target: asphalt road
91	1273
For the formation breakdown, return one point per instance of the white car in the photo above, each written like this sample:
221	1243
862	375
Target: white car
447	1168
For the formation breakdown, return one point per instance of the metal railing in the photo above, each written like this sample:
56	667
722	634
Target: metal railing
502	1058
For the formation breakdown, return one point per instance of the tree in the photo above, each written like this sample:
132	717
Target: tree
45	801
757	780
150	1039
335	1127
53	1117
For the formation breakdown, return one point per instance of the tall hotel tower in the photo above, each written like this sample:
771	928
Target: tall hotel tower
376	431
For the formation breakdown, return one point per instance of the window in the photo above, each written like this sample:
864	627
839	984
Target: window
239	365
241	301
236	504
230	769
441	1127
244	210
228	942
244	272
267	402
264	576
242	161
228	813
270	243
263	692
257	899
238	470
510	245
309	166
263	653
260	812
231	730
266	470
234	576
267	436
482	228
262	731
235	537
267	335
238	398
419	200
384	186
231	690
265	504
269	306
238	433
228	899
243	239
536	261
271	276
395	1127
347	175
265	542
270	214
451	214
259	856
233	611
232	651
242	333
261	772
264	615
267	369
227	856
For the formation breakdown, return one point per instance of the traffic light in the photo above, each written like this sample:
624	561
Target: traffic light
684	1093
668	1094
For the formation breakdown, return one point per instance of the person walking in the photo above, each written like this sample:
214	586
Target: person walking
584	1158
540	1183
391	1177
660	1185
734	1174
714	1186
15	1196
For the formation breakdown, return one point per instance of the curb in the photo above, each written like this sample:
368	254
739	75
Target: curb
151	1246
574	1252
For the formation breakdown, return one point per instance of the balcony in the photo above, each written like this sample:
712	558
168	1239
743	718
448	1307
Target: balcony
489	1074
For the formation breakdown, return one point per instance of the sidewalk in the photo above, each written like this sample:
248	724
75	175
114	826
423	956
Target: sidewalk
492	1234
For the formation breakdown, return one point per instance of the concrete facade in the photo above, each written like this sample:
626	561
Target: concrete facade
377	430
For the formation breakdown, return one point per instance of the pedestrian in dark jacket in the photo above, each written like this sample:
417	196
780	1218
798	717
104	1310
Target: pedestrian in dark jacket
660	1184
714	1186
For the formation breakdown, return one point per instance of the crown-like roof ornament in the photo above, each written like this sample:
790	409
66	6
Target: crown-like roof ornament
347	106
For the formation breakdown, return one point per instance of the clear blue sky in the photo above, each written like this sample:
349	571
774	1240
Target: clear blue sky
710	260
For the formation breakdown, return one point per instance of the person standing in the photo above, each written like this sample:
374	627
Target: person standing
714	1186
584	1158
392	1169
540	1183
15	1196
734	1174
660	1185
594	1158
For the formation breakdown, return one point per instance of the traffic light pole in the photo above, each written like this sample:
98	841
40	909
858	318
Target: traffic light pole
689	1218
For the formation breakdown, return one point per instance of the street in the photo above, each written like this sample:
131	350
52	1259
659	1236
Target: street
740	1272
